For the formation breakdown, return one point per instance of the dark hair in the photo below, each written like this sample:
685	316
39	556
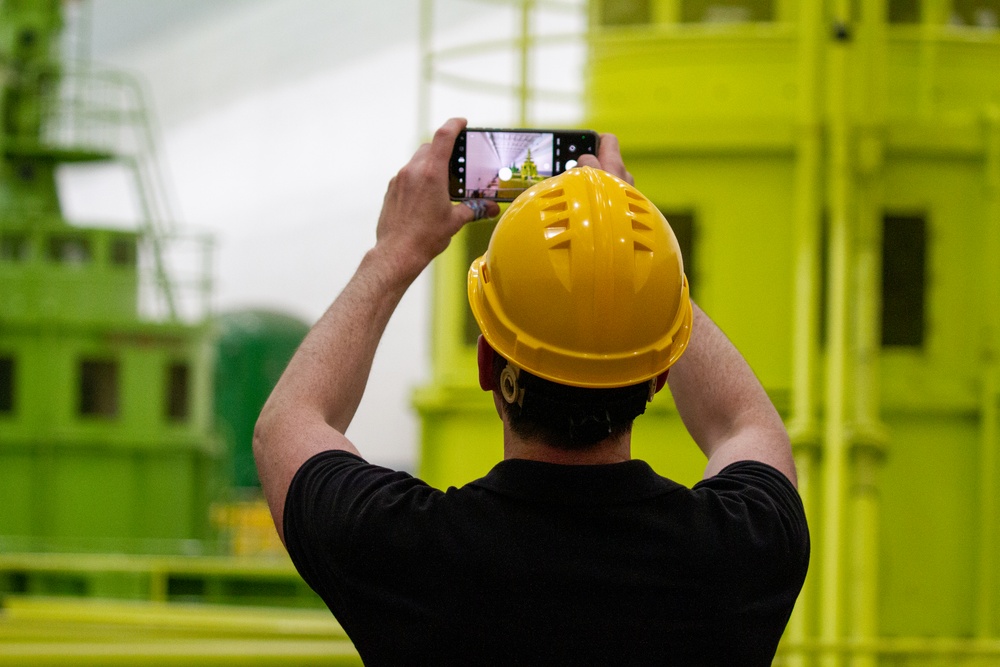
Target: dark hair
570	417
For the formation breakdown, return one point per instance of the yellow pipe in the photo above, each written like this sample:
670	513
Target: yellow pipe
933	16
806	216
951	649
165	653
840	175
217	620
426	43
869	435
990	430
524	73
864	574
803	423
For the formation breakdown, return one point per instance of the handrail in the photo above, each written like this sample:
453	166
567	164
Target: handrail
101	114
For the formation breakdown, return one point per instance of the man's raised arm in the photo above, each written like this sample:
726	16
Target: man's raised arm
719	398
314	401
724	406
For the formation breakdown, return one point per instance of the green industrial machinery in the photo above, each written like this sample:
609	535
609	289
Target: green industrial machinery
105	440
117	544
253	348
833	171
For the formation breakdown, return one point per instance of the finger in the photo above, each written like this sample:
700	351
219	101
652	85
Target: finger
589	161
444	138
610	157
480	209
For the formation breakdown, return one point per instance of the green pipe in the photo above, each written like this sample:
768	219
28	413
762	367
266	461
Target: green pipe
990	429
835	432
803	424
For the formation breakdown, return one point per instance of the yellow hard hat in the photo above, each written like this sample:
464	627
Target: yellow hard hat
583	284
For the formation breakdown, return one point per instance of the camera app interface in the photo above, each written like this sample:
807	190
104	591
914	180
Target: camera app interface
502	165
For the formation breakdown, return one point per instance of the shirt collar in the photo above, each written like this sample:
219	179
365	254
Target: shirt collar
576	484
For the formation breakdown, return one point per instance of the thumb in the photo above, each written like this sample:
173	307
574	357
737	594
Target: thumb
478	209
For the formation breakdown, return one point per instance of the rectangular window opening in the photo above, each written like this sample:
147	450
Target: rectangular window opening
7	371
99	388
904	11
983	14
727	11
70	250
904	259
178	391
13	248
682	222
122	251
625	12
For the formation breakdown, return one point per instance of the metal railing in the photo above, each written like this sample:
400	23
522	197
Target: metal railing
96	114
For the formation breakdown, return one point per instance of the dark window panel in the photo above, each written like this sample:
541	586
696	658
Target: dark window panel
625	12
904	259
7	370
178	391
99	388
727	11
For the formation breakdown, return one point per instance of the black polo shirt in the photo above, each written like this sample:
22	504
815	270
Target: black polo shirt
544	564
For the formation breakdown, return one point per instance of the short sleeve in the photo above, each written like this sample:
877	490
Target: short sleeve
329	496
760	528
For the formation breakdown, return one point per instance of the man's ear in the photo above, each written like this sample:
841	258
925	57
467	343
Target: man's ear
485	355
661	380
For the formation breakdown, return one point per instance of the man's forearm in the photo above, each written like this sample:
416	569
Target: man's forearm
314	402
329	371
723	405
317	396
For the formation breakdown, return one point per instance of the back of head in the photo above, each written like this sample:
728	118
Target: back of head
582	292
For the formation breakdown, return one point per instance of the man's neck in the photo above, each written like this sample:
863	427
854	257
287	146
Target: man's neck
612	450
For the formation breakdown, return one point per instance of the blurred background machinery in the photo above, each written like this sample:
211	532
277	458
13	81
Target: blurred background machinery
832	170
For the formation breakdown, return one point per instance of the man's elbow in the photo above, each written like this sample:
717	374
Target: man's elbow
263	434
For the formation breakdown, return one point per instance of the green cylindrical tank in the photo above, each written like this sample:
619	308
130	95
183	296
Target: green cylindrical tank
253	348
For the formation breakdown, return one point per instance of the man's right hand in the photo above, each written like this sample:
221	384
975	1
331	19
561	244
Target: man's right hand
418	218
608	158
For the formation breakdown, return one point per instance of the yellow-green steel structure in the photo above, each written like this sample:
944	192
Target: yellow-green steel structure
834	169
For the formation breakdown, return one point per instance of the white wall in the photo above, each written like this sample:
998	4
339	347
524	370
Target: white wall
281	123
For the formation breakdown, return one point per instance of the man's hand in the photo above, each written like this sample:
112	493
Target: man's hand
314	401
608	158
418	219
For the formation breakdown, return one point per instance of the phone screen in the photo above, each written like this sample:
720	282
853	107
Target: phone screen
501	164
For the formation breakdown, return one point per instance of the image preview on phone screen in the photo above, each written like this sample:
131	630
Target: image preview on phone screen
501	164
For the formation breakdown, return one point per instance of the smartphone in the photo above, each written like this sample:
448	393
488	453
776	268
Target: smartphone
501	164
